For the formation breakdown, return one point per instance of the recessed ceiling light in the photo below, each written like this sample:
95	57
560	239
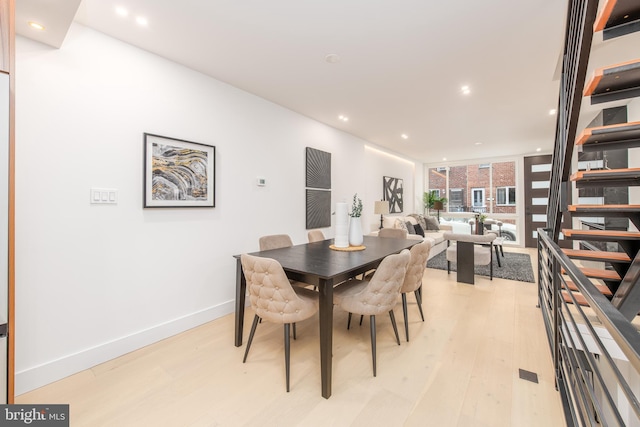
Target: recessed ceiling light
122	11
444	159
478	143
142	21
552	112
466	90
538	149
36	26
343	118
404	136
332	58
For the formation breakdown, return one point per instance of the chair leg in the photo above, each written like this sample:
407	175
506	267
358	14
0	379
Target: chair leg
419	300
502	251
372	325
294	331
406	317
491	266
395	327
498	256
448	267
253	331
287	347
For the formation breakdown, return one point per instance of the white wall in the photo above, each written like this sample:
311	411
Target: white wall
95	282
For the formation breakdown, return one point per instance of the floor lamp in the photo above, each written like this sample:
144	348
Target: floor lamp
381	207
438	206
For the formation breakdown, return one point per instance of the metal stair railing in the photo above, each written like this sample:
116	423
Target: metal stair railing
581	16
590	346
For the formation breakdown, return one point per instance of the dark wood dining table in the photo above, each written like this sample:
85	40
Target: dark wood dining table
317	264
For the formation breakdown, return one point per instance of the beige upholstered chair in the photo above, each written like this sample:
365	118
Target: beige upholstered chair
315	236
396	233
274	300
376	296
499	241
413	279
275	241
477	250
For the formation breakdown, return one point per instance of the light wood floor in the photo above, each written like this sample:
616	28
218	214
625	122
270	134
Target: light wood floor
459	369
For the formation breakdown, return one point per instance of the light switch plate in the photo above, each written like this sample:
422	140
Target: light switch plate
103	196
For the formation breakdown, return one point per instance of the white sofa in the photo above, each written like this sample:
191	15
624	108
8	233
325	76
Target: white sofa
438	244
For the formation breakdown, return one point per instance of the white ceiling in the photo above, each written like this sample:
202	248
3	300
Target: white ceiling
402	65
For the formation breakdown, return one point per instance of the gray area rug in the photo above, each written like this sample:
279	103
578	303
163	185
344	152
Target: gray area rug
514	266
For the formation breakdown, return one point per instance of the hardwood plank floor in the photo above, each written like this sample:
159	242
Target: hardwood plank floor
459	369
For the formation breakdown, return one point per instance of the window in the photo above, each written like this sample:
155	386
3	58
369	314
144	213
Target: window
456	200
436	192
506	196
478	197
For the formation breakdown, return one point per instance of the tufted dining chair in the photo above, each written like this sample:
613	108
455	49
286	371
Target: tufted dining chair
315	236
413	279
278	241
275	241
396	233
375	296
275	300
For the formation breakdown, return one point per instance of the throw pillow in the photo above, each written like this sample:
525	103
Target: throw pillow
419	230
400	224
410	228
432	223
419	219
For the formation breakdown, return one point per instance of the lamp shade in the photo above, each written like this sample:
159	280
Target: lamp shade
438	206
381	207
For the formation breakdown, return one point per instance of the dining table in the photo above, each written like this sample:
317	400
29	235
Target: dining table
319	265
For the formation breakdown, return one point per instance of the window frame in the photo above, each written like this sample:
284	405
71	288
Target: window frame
482	198
506	188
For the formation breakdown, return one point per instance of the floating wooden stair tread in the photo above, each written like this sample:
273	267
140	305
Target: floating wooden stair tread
579	298
604	256
617	16
628	176
602	288
620	81
598	273
601	235
622	135
601	210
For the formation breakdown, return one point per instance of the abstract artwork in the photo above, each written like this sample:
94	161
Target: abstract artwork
318	169
392	191
318	183
178	173
318	209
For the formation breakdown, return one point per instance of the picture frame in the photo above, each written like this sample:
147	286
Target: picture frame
392	190
178	173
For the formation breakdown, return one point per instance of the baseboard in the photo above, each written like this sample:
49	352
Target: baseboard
38	376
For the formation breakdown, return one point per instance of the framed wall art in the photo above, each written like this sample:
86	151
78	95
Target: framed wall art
318	189
392	191
178	173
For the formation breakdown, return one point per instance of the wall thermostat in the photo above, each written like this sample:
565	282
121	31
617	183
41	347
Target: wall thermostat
261	181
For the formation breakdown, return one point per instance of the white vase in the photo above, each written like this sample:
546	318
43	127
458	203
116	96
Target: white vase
342	226
355	232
